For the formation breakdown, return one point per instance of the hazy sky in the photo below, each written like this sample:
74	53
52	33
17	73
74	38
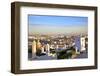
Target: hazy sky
39	24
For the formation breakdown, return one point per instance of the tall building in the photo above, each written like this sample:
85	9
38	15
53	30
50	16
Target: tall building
42	49
83	44
65	46
57	47
33	49
48	48
38	44
78	44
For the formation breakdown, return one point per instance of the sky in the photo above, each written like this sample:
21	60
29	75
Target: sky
42	24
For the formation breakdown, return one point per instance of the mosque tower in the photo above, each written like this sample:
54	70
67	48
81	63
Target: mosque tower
83	44
48	48
33	49
38	44
42	48
57	47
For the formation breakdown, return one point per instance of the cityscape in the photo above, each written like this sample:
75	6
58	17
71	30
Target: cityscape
57	37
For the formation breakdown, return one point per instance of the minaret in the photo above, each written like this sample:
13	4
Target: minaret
38	44
42	48
33	49
65	46
83	44
48	48
57	47
38	47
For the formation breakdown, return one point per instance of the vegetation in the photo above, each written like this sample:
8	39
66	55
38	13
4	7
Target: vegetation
30	50
66	54
38	53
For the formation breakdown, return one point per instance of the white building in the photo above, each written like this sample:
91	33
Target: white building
57	47
48	48
82	44
33	49
65	46
42	49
